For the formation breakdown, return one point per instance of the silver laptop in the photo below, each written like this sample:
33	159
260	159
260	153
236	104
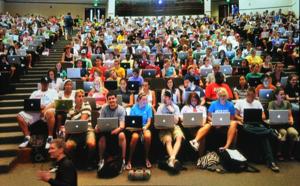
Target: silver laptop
92	102
164	121
15	59
226	69
192	120
221	119
88	86
76	126
205	71
107	124
278	117
73	73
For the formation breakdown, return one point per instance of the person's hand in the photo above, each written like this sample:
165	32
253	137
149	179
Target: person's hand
170	108
97	130
115	131
44	175
144	128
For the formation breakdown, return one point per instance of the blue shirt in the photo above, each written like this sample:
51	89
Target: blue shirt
139	79
217	107
145	112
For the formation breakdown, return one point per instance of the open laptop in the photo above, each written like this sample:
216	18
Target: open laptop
129	72
134	122
111	85
237	63
283	81
15	59
31	48
205	71
73	73
265	95
221	119
63	105
278	117
252	116
226	69
125	65
92	102
148	73
253	82
133	86
164	121
33	105
191	120
87	86
76	126
107	124
22	52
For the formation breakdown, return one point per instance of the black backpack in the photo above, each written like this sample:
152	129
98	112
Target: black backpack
237	163
111	168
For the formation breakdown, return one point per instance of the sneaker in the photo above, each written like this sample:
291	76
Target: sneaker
274	167
171	162
49	140
278	135
123	167
195	145
25	142
198	162
100	165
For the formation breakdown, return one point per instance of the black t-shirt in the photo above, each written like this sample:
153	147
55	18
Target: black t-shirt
125	96
66	174
292	91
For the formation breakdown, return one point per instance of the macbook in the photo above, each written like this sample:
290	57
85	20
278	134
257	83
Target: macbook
107	124
76	126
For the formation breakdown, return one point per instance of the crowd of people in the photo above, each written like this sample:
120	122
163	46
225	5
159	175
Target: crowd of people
176	65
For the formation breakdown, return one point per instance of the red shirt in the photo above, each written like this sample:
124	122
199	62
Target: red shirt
212	89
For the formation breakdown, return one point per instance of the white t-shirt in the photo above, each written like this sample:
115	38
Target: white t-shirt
242	104
47	97
61	95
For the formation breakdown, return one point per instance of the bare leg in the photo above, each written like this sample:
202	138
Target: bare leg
23	125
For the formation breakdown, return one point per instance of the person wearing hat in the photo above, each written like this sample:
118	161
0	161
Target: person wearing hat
47	112
87	63
167	136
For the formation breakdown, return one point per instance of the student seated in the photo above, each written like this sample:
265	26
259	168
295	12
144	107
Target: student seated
47	113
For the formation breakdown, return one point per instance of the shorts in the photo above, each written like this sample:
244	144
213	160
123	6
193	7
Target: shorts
172	133
32	117
81	139
110	139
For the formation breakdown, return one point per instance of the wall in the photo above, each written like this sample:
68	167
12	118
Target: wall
247	6
295	7
1	6
45	9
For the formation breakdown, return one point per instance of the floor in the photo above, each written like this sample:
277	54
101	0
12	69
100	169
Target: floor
25	174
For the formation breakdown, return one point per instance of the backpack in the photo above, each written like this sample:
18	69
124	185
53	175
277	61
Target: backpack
111	167
38	152
210	159
234	161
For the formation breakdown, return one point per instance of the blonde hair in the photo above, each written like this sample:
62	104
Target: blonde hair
222	91
78	91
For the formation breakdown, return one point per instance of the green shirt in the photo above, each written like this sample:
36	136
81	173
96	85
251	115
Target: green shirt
285	105
252	75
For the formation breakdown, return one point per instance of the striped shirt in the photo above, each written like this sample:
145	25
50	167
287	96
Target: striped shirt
74	114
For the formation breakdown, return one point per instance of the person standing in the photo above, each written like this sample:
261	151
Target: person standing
68	21
65	171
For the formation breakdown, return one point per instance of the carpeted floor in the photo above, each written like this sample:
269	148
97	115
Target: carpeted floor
25	174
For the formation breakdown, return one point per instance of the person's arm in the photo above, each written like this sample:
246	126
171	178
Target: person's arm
153	99
63	57
67	176
291	119
163	73
238	116
174	73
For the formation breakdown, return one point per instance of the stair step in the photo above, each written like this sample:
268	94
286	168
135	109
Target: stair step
9	127
26	90
7	150
16	96
37	71
25	85
6	163
46	64
12	102
30	80
9	110
33	75
11	137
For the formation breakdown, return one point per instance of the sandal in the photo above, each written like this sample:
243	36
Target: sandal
148	164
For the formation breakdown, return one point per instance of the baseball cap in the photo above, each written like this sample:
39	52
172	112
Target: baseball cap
45	80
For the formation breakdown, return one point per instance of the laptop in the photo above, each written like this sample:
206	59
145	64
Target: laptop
252	116
22	52
33	105
87	86
226	69
133	86
148	73
111	85
14	59
134	122
191	120
66	65
164	121
125	65
187	93
265	95
76	126
63	105
237	63
128	72
73	73
221	119
253	82
205	71
31	48
278	117
92	102
107	124
283	81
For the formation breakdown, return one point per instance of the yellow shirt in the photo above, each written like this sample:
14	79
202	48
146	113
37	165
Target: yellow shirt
254	60
119	71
